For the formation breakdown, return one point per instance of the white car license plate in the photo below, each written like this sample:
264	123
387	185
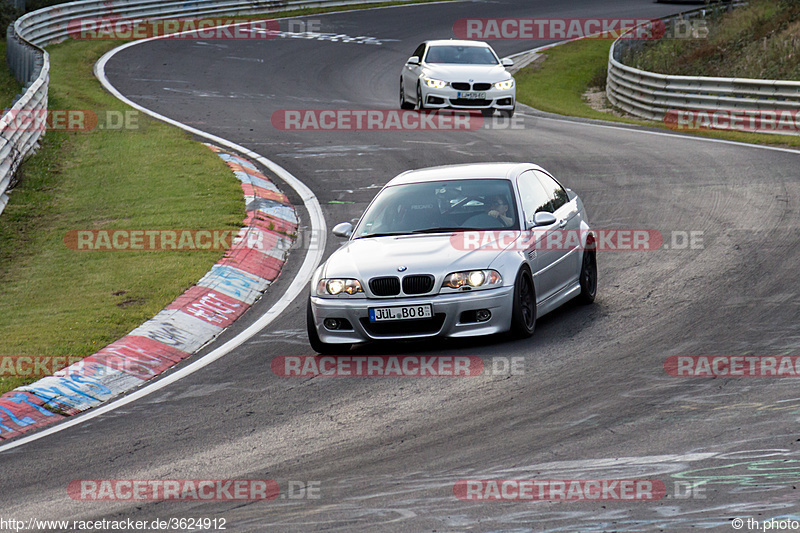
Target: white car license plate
472	96
403	312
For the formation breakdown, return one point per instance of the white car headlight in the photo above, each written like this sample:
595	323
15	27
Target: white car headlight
504	85
334	286
473	279
436	84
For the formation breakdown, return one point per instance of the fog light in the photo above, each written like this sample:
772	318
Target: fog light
483	315
331	323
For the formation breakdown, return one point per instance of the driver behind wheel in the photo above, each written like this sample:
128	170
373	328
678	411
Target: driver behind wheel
498	207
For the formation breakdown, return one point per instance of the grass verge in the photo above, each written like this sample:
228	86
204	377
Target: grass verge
60	302
9	87
558	83
759	40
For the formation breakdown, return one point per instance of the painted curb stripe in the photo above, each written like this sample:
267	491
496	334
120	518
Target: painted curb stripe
260	220
255	263
296	287
177	330
266	241
21	412
210	306
244	177
251	190
273	209
139	356
234	283
191	321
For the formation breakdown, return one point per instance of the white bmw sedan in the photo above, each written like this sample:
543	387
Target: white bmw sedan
458	75
454	251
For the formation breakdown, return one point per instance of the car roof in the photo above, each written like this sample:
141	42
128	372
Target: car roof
457	42
464	171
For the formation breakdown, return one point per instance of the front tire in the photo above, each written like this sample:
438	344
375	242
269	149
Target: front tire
507	113
403	103
420	102
588	278
523	316
317	345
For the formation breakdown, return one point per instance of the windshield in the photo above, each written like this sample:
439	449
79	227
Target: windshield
442	206
462	55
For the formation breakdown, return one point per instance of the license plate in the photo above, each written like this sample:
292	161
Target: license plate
403	312
472	96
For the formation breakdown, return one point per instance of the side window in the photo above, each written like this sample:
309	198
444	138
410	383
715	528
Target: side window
419	51
532	195
555	192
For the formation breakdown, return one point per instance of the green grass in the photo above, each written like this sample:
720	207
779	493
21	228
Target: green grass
9	87
57	301
557	85
760	40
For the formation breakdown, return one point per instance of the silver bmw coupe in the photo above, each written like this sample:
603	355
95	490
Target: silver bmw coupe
454	251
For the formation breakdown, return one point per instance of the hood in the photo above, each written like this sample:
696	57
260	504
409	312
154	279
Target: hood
478	73
366	258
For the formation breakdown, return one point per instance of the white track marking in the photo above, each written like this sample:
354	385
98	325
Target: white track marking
312	259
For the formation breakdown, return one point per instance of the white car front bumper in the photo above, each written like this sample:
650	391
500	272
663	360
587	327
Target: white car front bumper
449	97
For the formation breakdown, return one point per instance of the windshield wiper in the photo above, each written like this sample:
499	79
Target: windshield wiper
445	230
386	234
418	231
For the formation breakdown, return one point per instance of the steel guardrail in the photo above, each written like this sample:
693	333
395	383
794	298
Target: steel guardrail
651	95
30	63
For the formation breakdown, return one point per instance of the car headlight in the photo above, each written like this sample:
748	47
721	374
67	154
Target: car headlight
473	279
334	286
436	84
504	85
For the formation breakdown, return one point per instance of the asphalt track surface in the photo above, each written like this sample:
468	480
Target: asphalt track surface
594	401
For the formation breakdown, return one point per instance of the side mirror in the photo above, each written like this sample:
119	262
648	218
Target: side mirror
506	62
413	60
543	218
343	229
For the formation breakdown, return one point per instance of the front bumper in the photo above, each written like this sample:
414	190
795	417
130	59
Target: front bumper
448	98
448	309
